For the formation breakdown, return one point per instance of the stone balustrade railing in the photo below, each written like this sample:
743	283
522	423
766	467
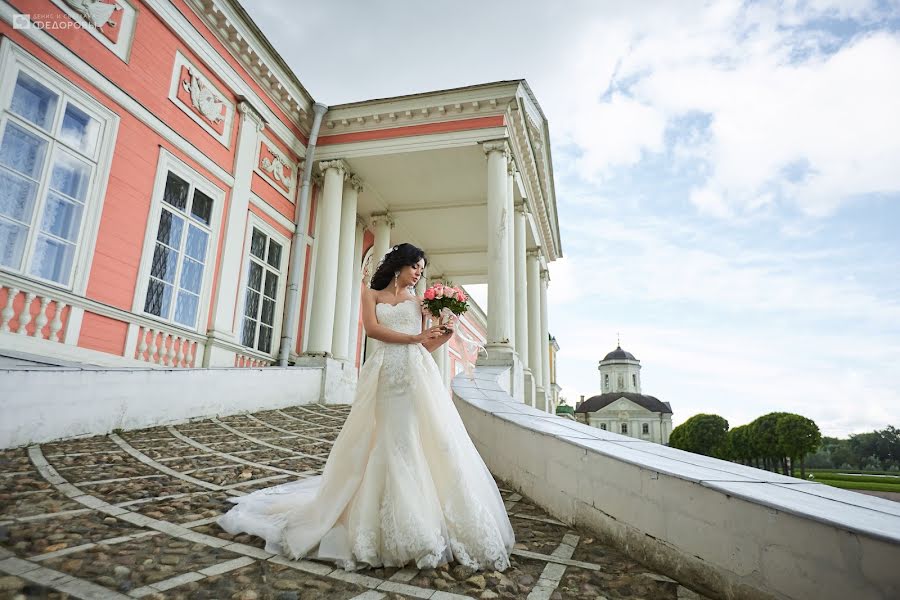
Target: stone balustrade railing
29	309
252	359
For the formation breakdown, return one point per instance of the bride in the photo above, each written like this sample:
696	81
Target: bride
403	482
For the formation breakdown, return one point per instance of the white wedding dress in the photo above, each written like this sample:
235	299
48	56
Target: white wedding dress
403	483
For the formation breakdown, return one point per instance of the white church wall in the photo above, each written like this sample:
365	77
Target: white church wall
728	530
44	404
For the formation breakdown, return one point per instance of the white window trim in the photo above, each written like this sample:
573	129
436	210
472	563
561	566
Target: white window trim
13	58
225	137
169	162
122	48
237	326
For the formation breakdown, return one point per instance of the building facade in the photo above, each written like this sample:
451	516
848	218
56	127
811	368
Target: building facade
173	197
621	407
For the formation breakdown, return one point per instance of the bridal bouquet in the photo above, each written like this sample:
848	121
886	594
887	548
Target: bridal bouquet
444	301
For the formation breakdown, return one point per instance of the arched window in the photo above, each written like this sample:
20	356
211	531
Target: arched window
634	380
606	381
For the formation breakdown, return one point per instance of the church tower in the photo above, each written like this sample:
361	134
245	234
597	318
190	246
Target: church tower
620	371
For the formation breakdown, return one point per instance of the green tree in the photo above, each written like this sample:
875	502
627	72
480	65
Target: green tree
738	444
797	437
702	434
764	440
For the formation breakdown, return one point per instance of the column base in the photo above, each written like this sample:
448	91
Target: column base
503	355
540	398
220	349
338	378
530	390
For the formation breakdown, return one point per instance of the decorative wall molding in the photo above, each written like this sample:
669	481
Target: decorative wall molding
277	170
111	22
202	101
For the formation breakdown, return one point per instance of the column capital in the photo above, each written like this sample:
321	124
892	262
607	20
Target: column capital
380	217
511	168
361	222
521	206
545	275
251	115
496	146
534	253
342	168
355	181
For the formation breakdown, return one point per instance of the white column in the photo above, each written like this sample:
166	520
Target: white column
225	300
511	238
498	323
382	223
545	340
534	319
342	302
321	322
521	286
356	288
442	353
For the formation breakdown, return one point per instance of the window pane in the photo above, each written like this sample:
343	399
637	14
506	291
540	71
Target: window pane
16	196
271	284
159	298
248	333
165	261
52	259
191	275
186	308
33	101
62	217
252	305
201	207
12	243
274	258
255	277
258	245
170	227
265	339
22	151
196	243
70	176
79	130
268	312
176	191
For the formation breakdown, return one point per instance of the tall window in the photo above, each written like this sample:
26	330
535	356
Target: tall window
261	295
606	381
625	428
634	380
645	428
180	253
49	148
603	426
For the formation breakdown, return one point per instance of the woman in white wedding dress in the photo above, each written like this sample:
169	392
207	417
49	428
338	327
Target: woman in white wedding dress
403	482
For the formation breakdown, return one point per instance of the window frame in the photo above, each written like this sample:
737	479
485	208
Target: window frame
623	428
168	162
254	221
645	428
15	59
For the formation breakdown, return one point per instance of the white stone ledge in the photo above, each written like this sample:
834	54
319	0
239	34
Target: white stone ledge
43	404
729	530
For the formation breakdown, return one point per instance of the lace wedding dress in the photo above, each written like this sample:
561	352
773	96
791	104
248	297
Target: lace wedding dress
403	483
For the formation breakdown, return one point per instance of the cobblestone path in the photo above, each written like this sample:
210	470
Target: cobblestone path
132	515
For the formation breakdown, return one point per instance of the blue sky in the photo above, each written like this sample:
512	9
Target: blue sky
728	180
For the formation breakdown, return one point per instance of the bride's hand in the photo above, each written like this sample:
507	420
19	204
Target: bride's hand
429	334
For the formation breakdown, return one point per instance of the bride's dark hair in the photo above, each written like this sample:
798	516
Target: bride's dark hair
402	255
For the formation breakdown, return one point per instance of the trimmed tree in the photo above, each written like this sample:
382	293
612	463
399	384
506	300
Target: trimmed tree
797	437
702	434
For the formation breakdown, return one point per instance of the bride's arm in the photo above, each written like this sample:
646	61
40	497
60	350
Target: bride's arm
444	337
385	334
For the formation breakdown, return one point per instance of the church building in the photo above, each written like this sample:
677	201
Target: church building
621	407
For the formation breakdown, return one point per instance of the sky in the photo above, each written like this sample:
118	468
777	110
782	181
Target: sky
727	180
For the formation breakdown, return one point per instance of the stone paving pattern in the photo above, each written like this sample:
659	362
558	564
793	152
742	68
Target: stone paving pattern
132	515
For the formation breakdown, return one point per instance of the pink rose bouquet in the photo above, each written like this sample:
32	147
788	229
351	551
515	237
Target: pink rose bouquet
443	300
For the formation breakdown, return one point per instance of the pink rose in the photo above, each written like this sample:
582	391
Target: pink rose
429	294
462	296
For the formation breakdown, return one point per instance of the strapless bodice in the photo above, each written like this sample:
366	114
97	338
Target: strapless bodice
405	317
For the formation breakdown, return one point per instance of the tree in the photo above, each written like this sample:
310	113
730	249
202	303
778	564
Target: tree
764	439
738	444
797	437
702	434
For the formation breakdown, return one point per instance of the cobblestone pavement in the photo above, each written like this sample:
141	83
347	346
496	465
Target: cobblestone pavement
132	515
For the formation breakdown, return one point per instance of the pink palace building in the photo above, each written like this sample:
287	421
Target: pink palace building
157	208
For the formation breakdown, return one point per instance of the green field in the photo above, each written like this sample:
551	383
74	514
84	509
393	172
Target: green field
869	481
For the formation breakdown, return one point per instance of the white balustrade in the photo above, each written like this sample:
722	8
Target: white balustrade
248	361
165	348
47	306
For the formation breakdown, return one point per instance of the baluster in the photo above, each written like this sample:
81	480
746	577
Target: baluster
56	334
25	315
42	319
189	355
153	354
179	356
170	354
7	314
142	344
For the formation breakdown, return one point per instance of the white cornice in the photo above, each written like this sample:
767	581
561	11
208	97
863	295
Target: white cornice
411	143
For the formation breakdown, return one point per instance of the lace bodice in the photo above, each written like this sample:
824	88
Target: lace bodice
405	317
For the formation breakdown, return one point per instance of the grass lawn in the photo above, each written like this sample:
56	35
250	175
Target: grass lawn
841	479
